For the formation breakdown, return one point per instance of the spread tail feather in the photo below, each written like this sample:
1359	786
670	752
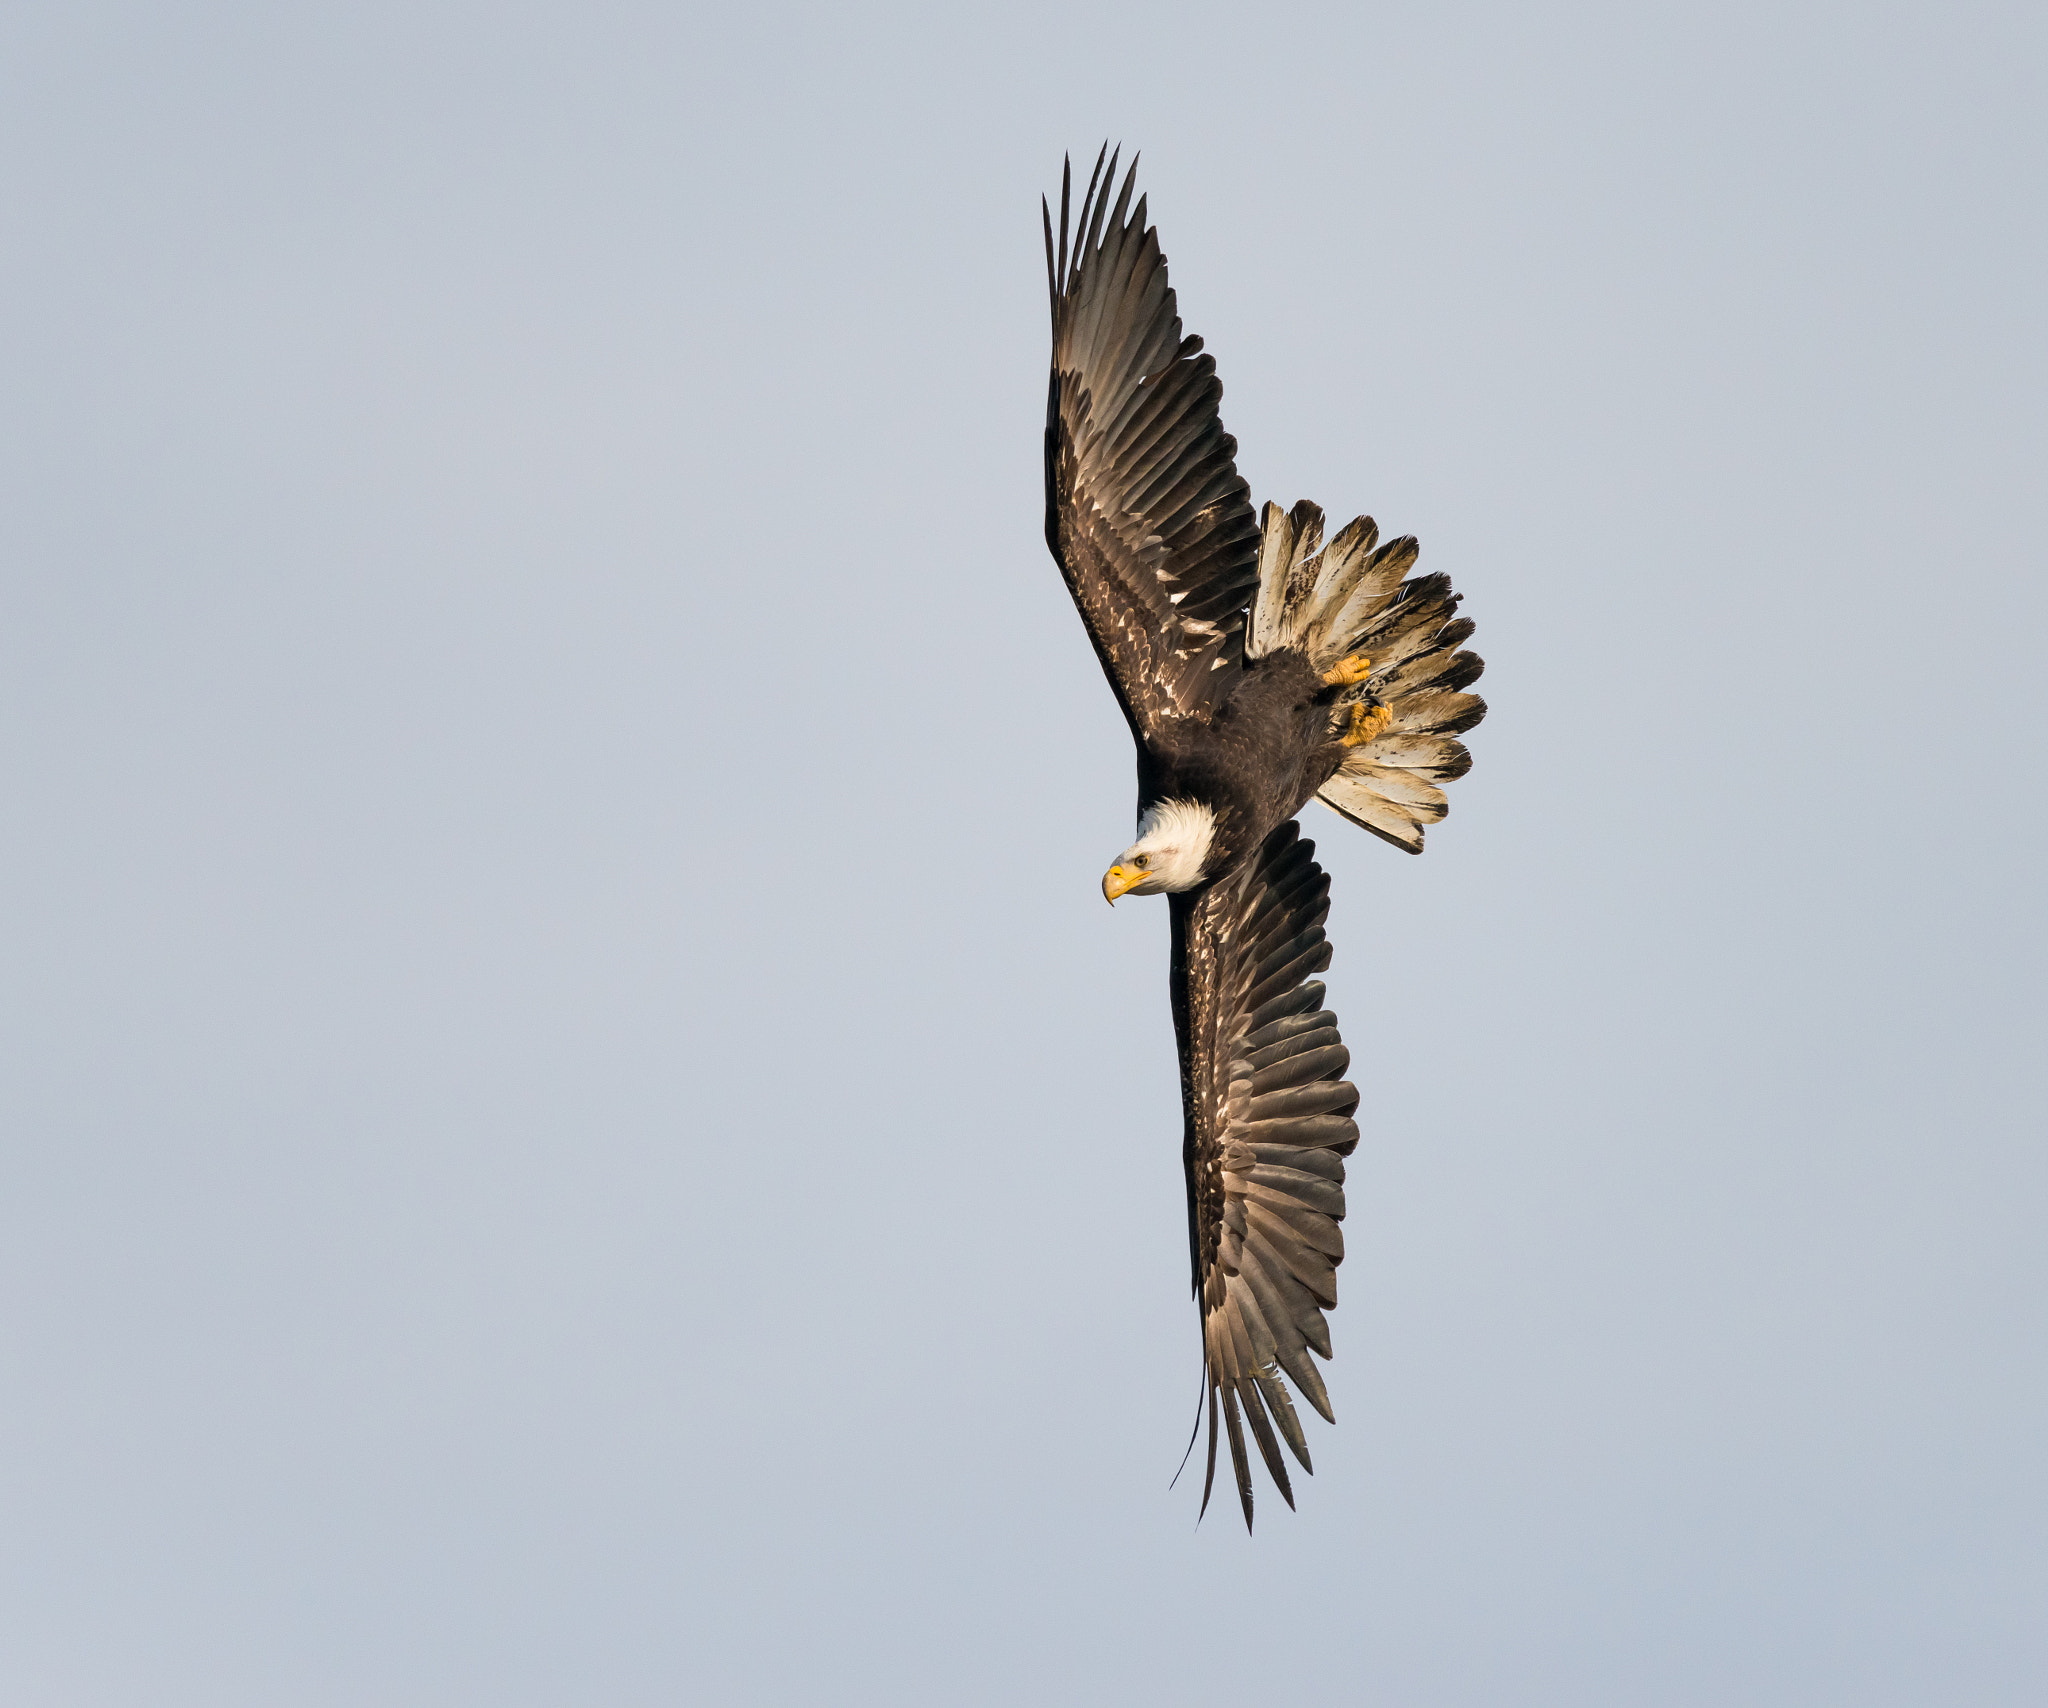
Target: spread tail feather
1350	597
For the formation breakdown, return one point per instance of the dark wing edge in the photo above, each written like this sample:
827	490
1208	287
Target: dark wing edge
1145	512
1268	1116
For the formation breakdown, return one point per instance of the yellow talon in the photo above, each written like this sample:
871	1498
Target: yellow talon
1347	671
1367	722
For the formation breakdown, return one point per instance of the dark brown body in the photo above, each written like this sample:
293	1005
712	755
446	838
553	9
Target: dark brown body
1267	749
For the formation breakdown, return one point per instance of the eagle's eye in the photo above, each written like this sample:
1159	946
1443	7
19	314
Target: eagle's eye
1141	859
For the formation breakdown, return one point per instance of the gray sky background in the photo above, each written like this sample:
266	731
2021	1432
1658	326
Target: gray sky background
575	1127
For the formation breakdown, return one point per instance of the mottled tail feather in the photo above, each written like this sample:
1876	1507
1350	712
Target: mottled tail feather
1350	597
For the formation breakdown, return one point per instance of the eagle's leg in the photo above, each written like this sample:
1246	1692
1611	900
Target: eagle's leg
1366	723
1347	671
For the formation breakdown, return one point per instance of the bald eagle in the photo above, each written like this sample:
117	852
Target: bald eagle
1259	667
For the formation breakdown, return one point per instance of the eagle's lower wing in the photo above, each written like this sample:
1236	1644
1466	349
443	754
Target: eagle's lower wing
1144	508
1268	1126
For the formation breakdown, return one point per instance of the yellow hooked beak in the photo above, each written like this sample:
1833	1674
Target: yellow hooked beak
1120	880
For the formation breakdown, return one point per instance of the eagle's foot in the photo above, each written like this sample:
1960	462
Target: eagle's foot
1347	672
1366	723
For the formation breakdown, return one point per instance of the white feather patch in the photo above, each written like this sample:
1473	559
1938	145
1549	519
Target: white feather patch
1173	841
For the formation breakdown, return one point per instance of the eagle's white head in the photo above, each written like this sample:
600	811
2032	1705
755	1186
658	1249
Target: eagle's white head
1173	842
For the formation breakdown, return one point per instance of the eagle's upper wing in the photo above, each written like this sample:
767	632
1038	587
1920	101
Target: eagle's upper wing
1144	507
1268	1126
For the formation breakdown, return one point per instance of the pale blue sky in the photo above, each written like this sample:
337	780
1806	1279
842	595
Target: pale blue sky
573	1126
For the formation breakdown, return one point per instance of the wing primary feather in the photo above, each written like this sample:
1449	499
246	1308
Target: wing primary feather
1123	199
1072	259
1193	1434
1209	1480
1118	235
1100	308
1284	1420
1262	1432
1092	210
1238	1462
1052	278
1066	201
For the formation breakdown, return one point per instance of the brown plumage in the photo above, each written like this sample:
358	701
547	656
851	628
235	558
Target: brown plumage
1257	668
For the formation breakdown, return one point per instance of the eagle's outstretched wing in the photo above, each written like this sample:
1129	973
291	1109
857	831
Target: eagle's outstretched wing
1268	1126
1144	507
